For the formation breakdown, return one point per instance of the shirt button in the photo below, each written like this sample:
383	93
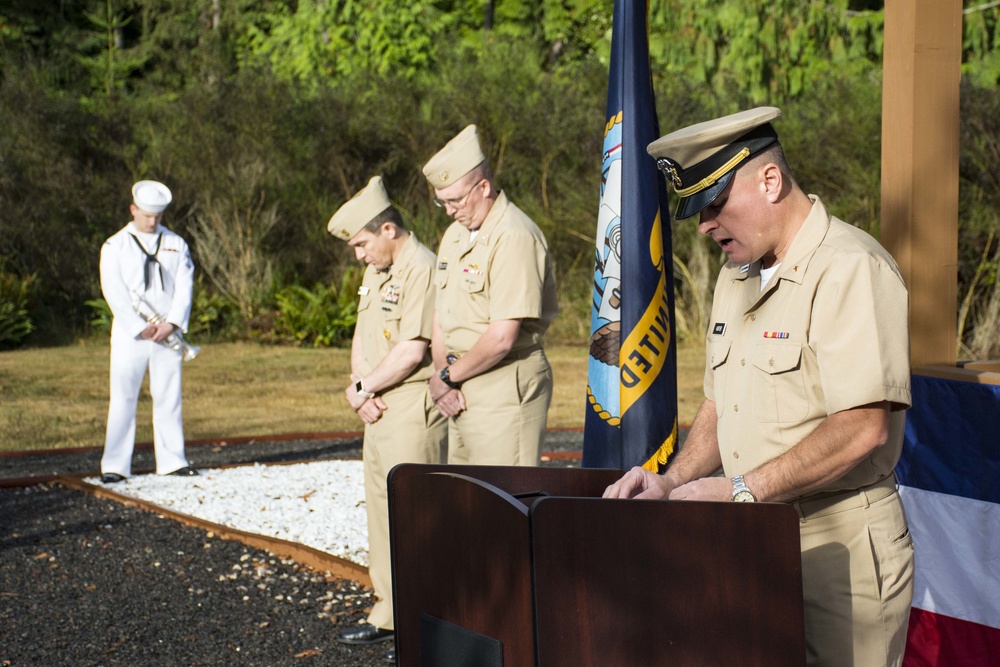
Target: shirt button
736	455
770	362
743	362
736	408
753	318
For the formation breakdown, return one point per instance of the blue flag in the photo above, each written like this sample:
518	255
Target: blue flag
632	374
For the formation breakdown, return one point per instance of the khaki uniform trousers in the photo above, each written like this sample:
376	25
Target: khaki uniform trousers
857	576
507	408
411	430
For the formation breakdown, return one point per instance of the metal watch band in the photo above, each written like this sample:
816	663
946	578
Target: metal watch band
742	492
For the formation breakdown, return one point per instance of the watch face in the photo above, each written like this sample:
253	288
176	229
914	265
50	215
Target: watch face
743	497
358	387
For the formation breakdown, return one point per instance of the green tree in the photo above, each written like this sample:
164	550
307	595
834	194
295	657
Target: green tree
762	51
104	55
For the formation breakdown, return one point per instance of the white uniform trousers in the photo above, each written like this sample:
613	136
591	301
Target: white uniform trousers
129	360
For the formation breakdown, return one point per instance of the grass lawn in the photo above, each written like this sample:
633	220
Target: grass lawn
58	397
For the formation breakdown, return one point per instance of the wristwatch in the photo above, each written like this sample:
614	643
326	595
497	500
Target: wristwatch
742	492
359	387
445	376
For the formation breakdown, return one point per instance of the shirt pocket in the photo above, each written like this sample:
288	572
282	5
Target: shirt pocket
718	354
391	329
169	260
364	300
779	391
441	277
473	280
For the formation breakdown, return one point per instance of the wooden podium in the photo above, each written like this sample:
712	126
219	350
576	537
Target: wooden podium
496	565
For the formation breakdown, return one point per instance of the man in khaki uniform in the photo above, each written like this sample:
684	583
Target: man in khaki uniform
390	365
807	380
496	296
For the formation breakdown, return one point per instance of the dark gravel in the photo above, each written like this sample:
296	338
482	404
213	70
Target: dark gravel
87	581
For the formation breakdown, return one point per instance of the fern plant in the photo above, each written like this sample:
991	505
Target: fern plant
322	316
15	322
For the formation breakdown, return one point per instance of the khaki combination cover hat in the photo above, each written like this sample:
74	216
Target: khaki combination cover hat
359	210
151	196
700	160
458	157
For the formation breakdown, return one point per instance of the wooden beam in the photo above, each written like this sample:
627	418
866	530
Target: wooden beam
920	116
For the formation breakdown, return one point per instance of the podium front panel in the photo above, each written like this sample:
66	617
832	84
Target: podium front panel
460	555
636	582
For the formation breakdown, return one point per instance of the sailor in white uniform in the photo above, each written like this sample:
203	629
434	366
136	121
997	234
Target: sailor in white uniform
146	259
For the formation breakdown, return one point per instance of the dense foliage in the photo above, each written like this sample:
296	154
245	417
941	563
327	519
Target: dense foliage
264	115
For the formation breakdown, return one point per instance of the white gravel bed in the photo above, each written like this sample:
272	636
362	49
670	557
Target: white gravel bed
319	504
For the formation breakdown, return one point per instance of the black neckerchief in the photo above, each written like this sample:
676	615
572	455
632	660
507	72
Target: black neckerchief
150	259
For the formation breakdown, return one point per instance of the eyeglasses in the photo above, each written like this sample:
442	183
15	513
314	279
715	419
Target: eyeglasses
459	202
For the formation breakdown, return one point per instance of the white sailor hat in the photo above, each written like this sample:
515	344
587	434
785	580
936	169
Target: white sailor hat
700	160
458	157
151	196
359	210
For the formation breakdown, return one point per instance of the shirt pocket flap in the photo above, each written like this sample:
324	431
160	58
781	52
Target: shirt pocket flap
775	358
718	352
473	280
364	299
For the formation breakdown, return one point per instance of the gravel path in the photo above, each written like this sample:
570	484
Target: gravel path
87	581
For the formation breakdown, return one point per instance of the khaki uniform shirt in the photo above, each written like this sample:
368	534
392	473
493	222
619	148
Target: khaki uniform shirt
396	305
828	333
505	273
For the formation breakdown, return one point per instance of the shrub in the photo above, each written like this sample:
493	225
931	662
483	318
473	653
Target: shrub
213	316
15	323
102	316
322	317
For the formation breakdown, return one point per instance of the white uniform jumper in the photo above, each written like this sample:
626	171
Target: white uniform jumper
163	272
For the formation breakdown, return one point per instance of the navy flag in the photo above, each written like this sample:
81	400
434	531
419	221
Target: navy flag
632	375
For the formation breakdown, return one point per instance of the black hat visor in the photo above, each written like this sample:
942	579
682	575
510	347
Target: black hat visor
688	206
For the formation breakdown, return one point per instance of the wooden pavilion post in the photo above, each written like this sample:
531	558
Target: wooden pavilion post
920	130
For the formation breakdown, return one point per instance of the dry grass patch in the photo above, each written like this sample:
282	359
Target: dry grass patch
58	397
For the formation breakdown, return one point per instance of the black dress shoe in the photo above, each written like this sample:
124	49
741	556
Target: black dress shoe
390	657
111	478
186	471
365	634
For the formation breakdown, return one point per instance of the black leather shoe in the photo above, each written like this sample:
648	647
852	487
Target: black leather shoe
365	634
186	471
111	478
390	657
